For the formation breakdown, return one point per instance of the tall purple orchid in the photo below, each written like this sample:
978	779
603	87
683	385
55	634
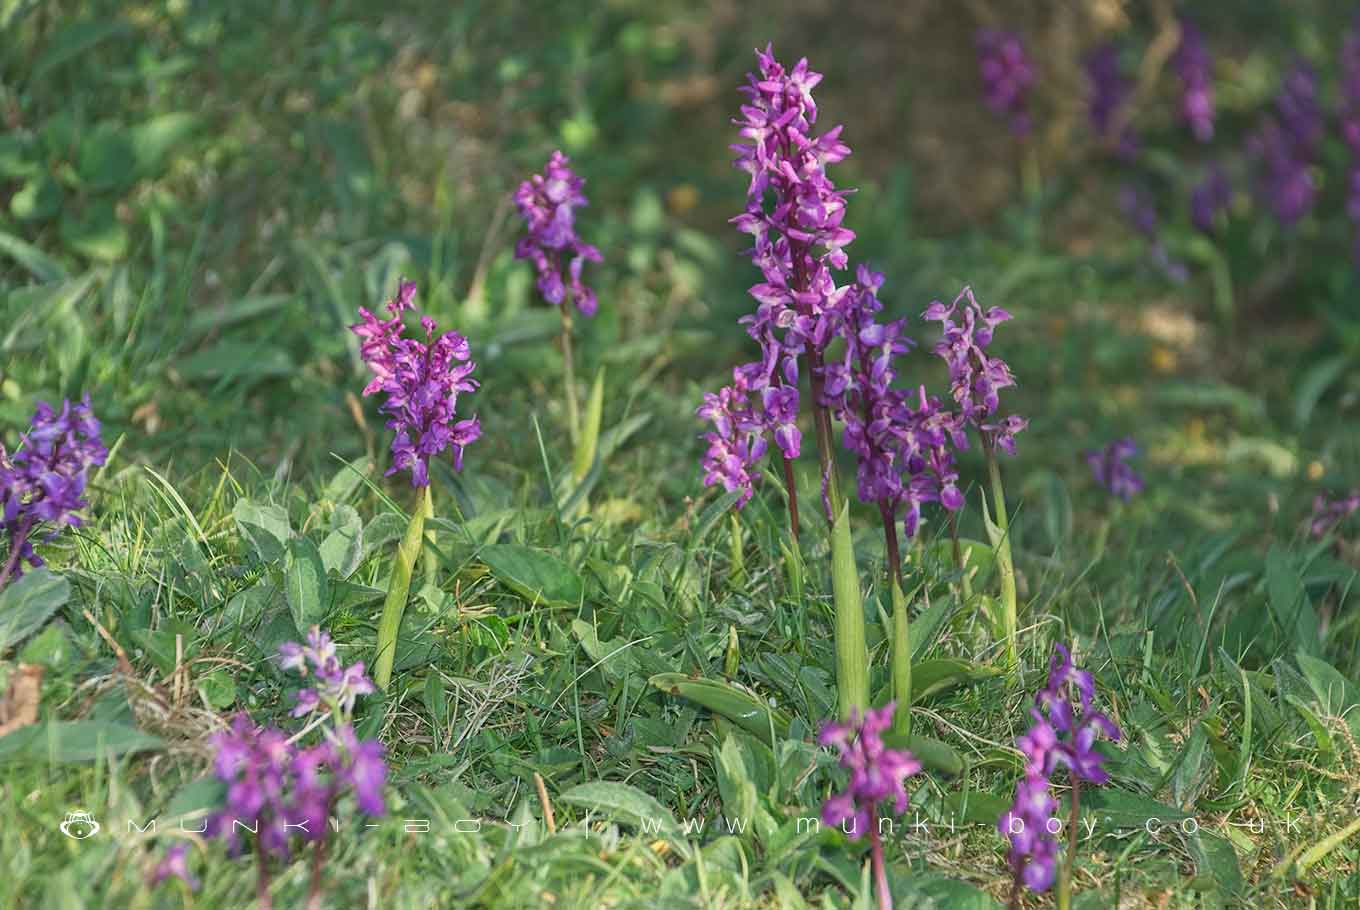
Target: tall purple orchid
794	214
1007	76
1111	470
422	381
1107	102
975	377
547	202
1210	198
877	774
282	794
42	484
1063	735
1285	147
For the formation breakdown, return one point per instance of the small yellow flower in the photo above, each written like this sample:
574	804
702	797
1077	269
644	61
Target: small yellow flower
682	198
1163	359
1315	471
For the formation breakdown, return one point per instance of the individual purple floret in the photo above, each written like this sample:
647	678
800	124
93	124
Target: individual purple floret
1111	470
1007	76
877	773
1196	69
1328	513
175	864
975	378
1109	91
547	202
1286	145
1211	196
337	686
1062	734
42	484
422	380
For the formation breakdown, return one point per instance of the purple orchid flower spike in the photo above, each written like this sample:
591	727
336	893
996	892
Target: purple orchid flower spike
877	774
42	483
1110	468
1110	90
1285	147
1210	198
1007	76
976	378
422	381
547	202
1063	734
1329	513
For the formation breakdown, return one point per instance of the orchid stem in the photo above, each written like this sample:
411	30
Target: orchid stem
901	638
885	901
1004	562
1065	882
263	900
792	489
16	547
569	376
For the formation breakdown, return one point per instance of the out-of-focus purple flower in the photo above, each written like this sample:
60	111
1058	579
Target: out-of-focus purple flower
337	686
1329	513
1210	196
1111	470
1196	69
1141	212
976	378
42	484
1350	123
737	441
1060	736
547	202
1109	91
876	772
422	380
278	791
175	864
1285	147
1007	76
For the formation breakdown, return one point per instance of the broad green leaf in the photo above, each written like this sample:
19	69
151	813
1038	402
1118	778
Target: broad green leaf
1335	692
97	234
231	359
934	754
38	199
623	803
588	445
1191	776
1214	856
930	677
218	689
1289	601
28	602
106	160
742	708
304	584
852	657
151	142
343	548
73	40
197	796
1319	377
1123	809
75	741
265	525
39	264
536	575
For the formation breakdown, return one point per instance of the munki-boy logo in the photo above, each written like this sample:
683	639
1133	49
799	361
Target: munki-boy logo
79	825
